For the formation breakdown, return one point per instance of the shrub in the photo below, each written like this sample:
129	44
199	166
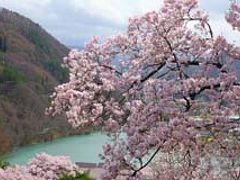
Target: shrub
79	176
4	164
10	73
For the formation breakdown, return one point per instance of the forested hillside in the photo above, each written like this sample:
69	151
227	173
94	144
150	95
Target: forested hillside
30	67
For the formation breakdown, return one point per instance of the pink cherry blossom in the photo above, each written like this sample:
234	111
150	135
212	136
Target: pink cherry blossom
41	167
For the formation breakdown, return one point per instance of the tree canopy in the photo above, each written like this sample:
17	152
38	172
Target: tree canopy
173	94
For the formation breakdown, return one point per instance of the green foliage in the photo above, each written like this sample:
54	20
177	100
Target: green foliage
2	56
10	73
55	68
40	42
79	176
2	121
4	164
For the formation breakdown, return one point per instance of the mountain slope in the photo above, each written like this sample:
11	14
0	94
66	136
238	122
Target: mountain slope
29	69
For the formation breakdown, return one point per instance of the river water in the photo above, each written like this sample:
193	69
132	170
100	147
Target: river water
81	148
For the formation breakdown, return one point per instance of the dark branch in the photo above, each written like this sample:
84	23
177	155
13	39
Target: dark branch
153	72
111	68
145	165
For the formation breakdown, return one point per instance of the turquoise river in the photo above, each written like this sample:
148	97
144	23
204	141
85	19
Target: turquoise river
82	148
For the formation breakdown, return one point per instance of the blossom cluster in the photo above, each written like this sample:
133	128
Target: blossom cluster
41	167
17	173
50	167
233	16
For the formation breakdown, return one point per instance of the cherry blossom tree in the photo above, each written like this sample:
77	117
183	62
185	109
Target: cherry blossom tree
165	91
41	167
49	167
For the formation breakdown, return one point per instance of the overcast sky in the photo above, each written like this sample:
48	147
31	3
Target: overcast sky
75	21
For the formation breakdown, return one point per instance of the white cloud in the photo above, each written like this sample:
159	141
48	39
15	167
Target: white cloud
25	4
221	27
117	10
75	21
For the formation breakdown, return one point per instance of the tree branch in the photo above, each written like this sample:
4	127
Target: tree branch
145	165
111	68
